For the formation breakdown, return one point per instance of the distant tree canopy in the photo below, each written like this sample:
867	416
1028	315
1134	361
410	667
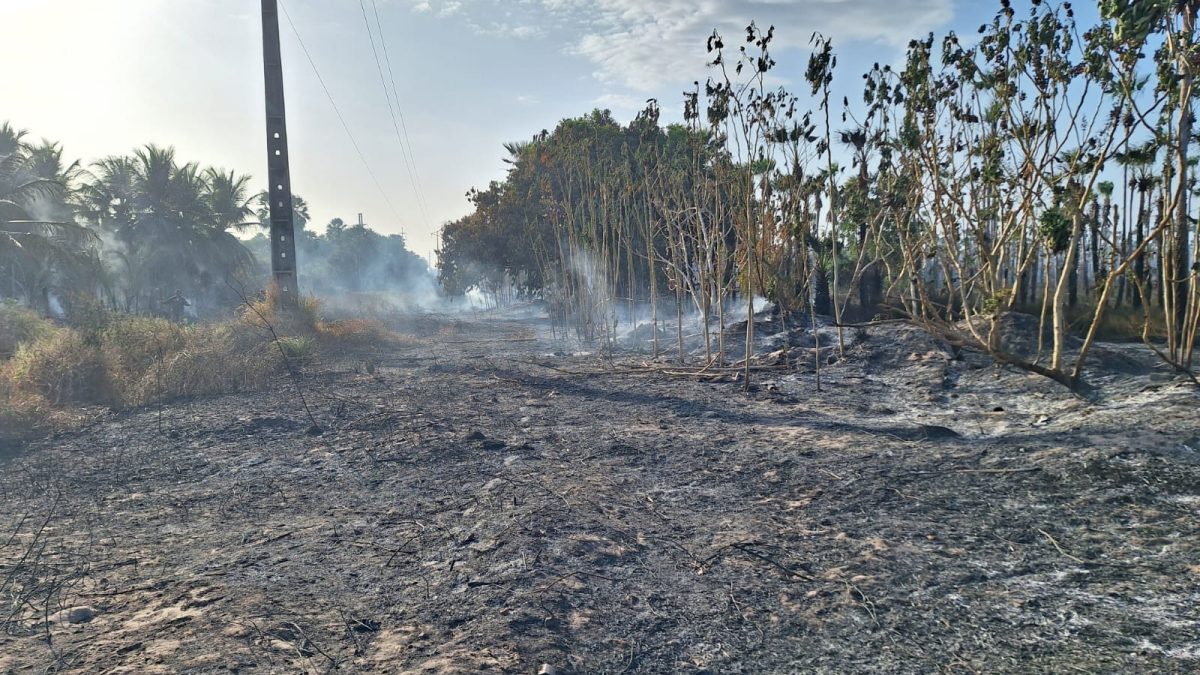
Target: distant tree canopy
42	248
1035	165
129	230
592	184
354	259
166	226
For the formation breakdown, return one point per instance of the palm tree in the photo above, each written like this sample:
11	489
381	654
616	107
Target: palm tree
262	211
1140	159
171	224
227	196
43	252
1105	188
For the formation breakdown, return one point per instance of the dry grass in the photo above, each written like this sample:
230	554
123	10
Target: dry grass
17	325
50	372
305	321
267	313
352	334
130	361
124	361
1120	324
61	367
21	417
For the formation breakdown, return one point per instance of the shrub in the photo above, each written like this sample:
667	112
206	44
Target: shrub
304	321
20	324
116	360
298	349
266	312
131	344
21	417
62	367
213	360
356	333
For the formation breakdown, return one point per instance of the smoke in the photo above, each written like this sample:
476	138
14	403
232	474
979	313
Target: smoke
639	322
56	308
357	272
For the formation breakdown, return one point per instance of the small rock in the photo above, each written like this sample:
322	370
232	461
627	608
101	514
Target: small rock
81	614
547	669
934	431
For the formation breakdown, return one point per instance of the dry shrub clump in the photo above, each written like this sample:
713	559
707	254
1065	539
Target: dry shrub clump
149	360
49	372
302	329
42	367
267	313
357	334
27	416
21	416
132	344
19	324
62	367
211	360
120	361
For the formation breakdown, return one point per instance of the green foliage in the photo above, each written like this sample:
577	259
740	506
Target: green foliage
1136	19
1055	228
168	226
560	188
298	348
996	302
42	249
135	228
970	171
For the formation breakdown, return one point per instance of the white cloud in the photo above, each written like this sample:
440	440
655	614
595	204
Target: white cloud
647	44
526	32
619	102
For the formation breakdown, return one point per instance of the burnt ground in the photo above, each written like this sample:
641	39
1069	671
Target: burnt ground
479	504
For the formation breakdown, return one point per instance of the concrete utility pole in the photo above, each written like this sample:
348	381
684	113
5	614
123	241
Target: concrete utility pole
283	231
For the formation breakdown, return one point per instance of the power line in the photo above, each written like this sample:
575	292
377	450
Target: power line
396	96
410	163
338	111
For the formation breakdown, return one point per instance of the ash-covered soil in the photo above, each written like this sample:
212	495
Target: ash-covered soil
480	504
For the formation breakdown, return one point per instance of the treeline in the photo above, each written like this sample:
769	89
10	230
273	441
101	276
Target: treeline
351	259
127	231
1035	166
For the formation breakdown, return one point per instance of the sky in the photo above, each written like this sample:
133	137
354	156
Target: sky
105	77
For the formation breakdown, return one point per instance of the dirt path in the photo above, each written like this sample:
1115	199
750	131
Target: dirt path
470	509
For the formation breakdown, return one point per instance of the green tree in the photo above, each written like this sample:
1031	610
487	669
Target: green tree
43	251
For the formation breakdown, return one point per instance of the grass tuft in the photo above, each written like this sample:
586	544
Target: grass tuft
19	324
50	372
